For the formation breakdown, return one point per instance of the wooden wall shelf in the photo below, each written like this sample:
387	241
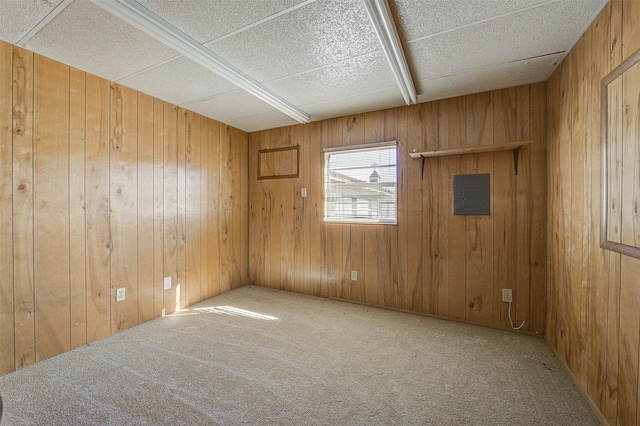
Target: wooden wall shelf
507	146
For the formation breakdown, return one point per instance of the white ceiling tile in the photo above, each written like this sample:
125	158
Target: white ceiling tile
229	105
312	36
18	17
488	78
420	18
179	81
86	37
206	20
351	77
371	101
254	123
322	55
535	32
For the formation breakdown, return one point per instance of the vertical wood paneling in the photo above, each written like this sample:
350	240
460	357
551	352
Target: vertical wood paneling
77	225
97	186
181	289
537	209
239	229
256	211
503	204
51	207
123	159
288	214
170	208
90	201
7	324
213	232
524	208
226	210
205	290
596	62
23	295
145	202
316	213
455	134
432	261
593	322
193	213
479	229
158	207
411	231
611	52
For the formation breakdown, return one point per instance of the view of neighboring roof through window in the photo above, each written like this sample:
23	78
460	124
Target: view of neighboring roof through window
360	184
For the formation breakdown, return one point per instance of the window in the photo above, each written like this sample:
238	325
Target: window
360	184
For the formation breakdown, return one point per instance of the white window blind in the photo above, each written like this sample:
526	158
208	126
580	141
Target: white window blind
360	184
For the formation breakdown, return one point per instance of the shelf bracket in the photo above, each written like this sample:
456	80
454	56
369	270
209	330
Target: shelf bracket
516	151
421	167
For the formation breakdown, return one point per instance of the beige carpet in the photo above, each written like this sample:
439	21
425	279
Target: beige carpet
260	356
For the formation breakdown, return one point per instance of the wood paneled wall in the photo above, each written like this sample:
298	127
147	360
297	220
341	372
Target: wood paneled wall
102	187
594	295
432	262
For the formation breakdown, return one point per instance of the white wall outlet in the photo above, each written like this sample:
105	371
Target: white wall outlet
167	283
507	295
303	192
354	275
120	294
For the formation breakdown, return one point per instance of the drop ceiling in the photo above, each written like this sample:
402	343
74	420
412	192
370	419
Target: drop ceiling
321	56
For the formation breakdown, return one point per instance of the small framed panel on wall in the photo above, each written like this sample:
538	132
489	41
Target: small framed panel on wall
279	163
620	145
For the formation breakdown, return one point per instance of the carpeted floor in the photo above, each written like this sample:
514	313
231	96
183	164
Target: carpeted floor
261	356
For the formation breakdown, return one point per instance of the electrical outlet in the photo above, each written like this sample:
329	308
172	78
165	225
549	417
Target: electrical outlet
120	294
354	275
507	295
167	283
303	192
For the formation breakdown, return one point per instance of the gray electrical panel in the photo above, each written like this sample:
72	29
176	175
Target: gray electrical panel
472	195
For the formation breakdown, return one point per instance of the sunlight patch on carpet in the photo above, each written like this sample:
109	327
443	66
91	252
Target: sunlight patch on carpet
236	312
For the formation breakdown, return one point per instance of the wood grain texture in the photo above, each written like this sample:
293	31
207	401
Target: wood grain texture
158	207
89	202
7	322
193	209
97	209
181	249
145	203
432	261
123	159
213	188
22	126
170	199
77	208
51	207
593	322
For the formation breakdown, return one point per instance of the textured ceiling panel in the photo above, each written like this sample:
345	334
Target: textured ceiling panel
258	122
348	78
195	82
229	105
206	20
321	55
488	78
89	38
19	16
372	101
315	35
420	18
529	34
